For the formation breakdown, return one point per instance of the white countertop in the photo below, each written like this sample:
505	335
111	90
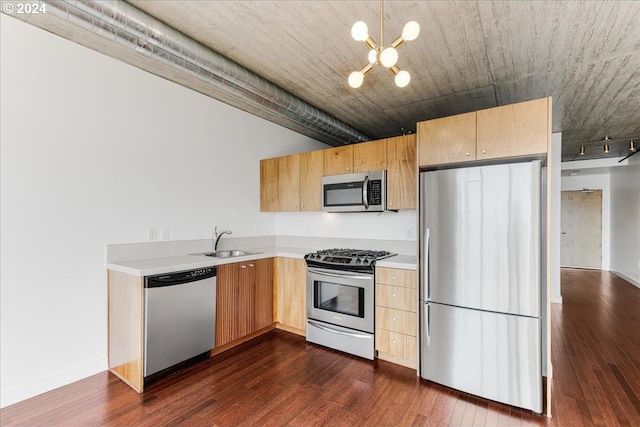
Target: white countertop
152	266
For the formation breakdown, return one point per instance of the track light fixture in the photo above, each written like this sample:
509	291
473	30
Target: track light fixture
632	147
582	150
386	56
606	144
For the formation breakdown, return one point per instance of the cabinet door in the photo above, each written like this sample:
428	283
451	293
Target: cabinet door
338	160
246	303
263	310
401	172
289	183
447	140
514	130
291	285
269	186
370	156
227	304
311	169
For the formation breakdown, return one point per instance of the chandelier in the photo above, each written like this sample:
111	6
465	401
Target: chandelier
379	54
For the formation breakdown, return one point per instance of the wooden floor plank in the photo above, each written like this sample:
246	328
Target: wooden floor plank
279	380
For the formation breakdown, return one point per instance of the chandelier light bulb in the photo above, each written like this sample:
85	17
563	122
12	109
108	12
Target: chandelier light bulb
389	57
411	31
359	31
355	79
402	78
373	56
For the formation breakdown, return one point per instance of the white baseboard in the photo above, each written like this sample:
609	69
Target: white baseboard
25	391
556	299
629	279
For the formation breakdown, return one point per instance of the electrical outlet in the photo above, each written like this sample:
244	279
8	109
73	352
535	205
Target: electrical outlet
152	234
164	233
409	233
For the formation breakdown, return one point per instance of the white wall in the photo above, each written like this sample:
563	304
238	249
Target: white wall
599	180
625	220
94	151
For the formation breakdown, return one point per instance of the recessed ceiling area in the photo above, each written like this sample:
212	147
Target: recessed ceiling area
469	56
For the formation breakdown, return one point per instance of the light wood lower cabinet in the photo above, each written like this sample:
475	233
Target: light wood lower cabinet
125	324
244	303
396	316
290	295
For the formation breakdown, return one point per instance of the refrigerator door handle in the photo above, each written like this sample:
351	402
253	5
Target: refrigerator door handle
426	285
428	323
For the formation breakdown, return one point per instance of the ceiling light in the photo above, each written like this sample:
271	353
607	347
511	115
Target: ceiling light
379	54
582	150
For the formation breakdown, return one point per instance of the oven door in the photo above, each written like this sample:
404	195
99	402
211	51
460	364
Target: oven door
341	298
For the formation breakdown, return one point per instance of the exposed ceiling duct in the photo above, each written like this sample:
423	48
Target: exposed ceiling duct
129	26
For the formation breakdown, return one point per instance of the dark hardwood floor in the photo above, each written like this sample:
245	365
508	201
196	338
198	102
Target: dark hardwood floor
278	379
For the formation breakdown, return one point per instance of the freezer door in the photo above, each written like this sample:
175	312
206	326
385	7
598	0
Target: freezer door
480	237
492	355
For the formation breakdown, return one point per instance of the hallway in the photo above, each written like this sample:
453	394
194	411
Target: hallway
596	350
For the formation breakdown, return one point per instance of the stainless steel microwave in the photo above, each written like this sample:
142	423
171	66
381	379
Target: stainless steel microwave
355	192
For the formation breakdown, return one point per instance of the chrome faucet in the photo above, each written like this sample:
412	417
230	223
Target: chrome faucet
216	237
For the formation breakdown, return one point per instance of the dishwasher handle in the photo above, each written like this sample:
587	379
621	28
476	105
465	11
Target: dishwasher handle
179	278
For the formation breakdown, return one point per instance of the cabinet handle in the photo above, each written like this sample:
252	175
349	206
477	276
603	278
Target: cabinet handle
356	168
347	168
466	154
390	203
301	206
243	266
393	277
395	318
394	295
394	341
250	265
484	151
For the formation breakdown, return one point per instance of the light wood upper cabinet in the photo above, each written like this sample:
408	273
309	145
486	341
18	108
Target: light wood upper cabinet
401	172
289	182
370	156
338	160
514	130
290	294
447	140
311	169
269	188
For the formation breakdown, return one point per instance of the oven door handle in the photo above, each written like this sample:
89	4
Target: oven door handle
347	275
335	331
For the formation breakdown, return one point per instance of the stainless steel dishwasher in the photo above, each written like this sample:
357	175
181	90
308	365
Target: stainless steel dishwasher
179	317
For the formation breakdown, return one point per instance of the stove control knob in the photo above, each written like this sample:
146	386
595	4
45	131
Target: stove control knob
358	260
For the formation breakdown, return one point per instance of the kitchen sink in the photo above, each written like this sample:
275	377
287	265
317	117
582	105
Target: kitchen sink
228	254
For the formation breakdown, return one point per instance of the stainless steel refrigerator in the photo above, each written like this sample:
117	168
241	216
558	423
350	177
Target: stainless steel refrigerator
480	281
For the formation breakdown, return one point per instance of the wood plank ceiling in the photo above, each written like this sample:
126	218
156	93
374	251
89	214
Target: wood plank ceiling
470	55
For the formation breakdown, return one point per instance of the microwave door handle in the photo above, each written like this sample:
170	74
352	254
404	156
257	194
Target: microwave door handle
365	192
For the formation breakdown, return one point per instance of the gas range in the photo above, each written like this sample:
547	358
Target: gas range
346	259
